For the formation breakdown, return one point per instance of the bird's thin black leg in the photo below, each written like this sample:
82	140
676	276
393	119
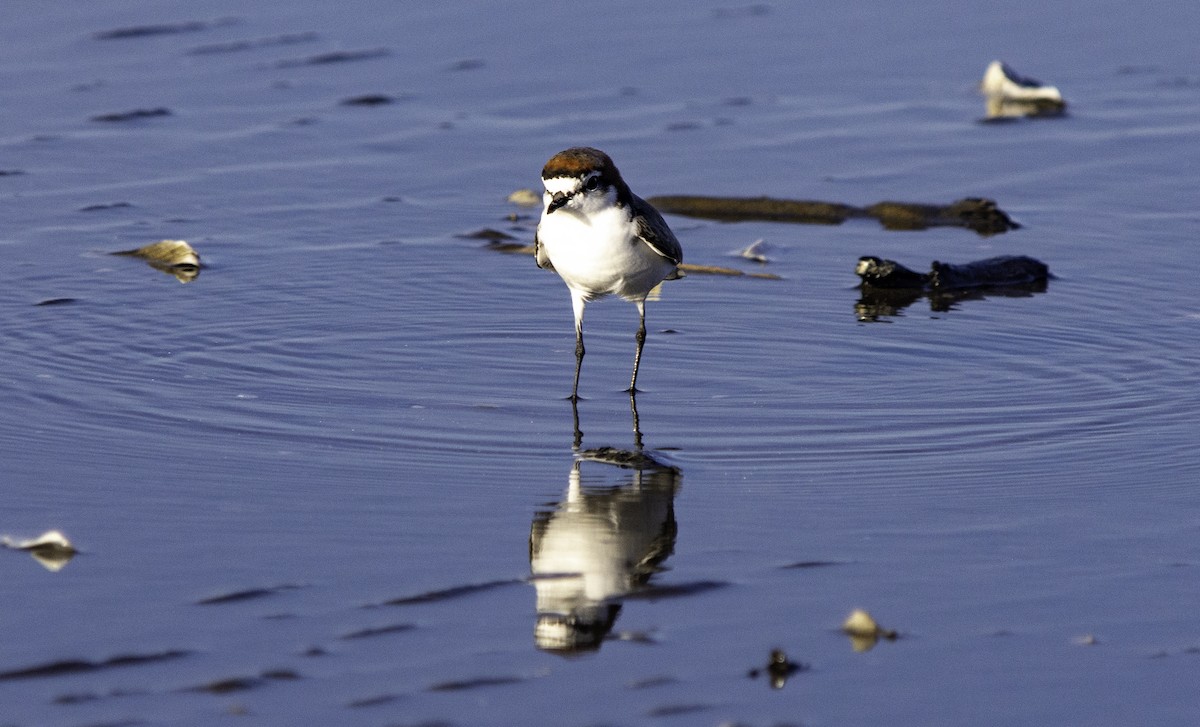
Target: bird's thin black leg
641	341
578	363
637	427
577	303
578	442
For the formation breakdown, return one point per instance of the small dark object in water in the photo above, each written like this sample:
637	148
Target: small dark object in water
778	669
56	301
992	272
370	99
11	172
133	115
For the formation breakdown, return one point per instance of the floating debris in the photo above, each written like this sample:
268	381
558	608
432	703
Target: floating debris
1010	95
756	251
51	549
170	256
779	667
993	272
525	198
864	632
56	301
11	172
133	115
974	213
1086	640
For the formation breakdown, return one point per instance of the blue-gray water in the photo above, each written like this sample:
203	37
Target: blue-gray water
353	409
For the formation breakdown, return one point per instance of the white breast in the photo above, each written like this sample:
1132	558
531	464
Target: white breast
599	253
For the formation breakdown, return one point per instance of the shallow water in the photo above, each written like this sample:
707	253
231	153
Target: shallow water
305	486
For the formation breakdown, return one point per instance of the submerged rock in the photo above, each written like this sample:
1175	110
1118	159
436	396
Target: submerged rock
996	271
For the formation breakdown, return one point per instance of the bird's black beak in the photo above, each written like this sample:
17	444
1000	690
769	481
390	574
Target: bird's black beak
558	200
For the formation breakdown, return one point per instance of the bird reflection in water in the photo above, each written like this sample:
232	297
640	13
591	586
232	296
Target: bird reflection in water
608	536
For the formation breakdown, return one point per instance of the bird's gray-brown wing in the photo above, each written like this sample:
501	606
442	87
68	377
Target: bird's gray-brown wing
539	254
653	230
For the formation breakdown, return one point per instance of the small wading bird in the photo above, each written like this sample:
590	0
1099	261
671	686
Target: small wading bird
602	239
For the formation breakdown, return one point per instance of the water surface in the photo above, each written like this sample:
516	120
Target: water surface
306	484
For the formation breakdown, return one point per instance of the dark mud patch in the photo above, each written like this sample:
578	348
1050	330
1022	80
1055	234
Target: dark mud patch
974	213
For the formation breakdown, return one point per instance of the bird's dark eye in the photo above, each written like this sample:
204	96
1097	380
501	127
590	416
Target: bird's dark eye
592	184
